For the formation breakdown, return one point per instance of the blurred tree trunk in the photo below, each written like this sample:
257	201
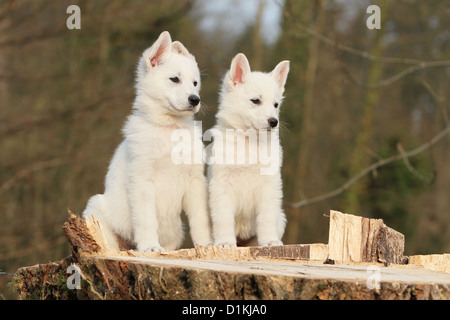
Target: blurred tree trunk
316	18
303	51
257	41
4	26
363	142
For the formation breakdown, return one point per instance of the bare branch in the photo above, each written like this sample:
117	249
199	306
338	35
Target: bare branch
342	47
17	127
410	167
398	76
417	64
371	168
29	170
45	245
28	39
439	99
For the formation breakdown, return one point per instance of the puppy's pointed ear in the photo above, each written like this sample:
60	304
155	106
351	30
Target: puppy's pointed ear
178	47
159	51
239	70
280	73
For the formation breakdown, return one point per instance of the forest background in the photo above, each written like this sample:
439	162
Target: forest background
366	113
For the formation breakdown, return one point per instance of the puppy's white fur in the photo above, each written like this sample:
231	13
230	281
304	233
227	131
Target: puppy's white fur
145	191
245	203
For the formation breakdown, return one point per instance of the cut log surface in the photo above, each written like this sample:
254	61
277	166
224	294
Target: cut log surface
301	271
357	239
343	272
436	262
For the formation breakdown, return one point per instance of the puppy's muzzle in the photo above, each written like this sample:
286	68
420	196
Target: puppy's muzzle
272	122
194	100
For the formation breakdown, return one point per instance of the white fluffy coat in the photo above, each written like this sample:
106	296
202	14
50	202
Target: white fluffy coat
244	201
145	191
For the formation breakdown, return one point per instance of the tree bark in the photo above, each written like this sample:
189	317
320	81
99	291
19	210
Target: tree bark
359	160
145	278
358	239
283	272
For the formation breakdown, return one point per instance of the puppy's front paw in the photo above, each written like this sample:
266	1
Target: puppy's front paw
226	245
271	243
208	245
204	244
152	249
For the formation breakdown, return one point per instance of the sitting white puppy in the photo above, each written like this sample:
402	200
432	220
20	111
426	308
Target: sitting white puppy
145	191
245	190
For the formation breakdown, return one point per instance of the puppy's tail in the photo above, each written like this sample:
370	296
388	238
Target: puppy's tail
95	207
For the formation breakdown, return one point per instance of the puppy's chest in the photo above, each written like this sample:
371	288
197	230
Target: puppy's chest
161	149
244	149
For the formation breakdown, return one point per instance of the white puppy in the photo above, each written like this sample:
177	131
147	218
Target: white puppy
245	196
145	191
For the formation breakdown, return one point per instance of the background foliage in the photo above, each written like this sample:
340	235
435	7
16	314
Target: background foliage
354	96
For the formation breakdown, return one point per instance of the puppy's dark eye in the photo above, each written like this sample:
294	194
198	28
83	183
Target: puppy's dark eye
195	83
276	105
256	101
175	79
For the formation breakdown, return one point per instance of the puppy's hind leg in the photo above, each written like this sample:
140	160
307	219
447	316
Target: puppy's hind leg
96	207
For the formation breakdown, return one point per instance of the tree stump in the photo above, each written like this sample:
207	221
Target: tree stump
300	271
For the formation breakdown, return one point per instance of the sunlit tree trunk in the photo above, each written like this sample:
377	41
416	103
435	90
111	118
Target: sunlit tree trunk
258	51
303	51
361	155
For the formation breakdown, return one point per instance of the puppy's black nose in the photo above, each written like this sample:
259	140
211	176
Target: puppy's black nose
273	122
194	100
